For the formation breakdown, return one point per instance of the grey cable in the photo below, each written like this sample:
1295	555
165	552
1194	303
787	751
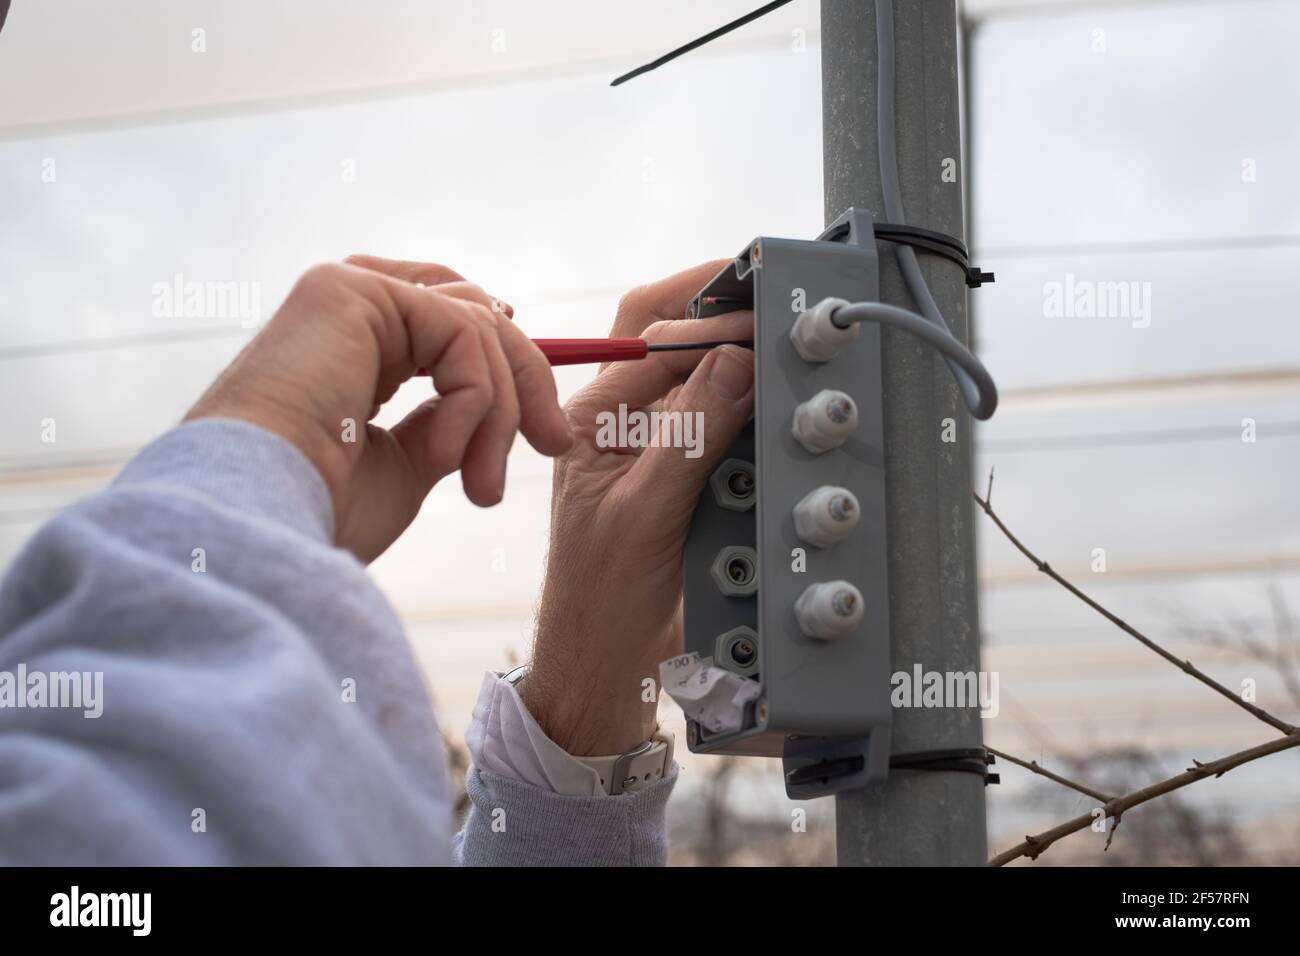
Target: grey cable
981	397
964	364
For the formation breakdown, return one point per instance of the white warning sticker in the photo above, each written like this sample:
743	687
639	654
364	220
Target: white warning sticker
711	695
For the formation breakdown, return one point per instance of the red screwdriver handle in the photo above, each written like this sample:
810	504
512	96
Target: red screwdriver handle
580	351
583	351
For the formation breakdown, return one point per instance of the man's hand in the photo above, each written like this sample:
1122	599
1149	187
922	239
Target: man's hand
338	348
610	608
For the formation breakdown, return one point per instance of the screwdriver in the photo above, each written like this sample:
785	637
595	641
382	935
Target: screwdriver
583	351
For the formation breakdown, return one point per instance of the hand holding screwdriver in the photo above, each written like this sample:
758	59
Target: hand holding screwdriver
619	517
338	348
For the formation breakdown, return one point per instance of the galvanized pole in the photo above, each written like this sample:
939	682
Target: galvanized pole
916	817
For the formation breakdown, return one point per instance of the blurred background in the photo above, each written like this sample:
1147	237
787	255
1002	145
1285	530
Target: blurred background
1150	142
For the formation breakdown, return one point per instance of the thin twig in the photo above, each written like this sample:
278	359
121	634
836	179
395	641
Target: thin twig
1032	846
1127	628
1042	771
1111	836
1254	650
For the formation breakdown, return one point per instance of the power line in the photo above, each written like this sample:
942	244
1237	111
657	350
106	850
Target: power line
1205	567
1139	246
232	330
1232	378
251	106
1166	436
982	11
106	465
108	343
24	468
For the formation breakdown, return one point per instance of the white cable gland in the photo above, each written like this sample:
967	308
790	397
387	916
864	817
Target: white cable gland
816	338
829	609
825	421
826	515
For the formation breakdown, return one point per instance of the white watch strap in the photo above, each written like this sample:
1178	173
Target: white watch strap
641	768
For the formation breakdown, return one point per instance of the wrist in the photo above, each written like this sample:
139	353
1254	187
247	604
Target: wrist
594	683
328	457
591	714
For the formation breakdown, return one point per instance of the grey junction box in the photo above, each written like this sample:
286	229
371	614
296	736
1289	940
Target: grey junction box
823	705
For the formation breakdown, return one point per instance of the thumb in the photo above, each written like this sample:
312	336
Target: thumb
714	405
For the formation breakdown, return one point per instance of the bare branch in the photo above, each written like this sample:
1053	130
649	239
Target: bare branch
1032	846
1042	771
1186	666
1111	835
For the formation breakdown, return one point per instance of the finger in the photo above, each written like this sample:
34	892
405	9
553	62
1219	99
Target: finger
429	274
542	420
445	280
714	405
473	293
443	336
662	301
415	331
483	469
461	291
637	384
426	273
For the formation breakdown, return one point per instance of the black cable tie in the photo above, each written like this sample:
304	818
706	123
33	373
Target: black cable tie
939	243
963	760
699	42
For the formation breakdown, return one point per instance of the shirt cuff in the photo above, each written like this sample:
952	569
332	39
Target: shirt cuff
504	740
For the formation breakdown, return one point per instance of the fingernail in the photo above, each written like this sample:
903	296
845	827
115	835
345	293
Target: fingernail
732	374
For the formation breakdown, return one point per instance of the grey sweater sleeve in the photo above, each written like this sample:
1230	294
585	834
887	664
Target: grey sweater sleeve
513	823
259	701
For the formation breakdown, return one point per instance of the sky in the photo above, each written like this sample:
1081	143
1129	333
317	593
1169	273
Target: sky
1154	147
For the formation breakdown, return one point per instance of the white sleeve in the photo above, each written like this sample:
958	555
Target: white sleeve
505	740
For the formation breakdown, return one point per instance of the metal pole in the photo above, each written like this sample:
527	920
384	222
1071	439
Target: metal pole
916	817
